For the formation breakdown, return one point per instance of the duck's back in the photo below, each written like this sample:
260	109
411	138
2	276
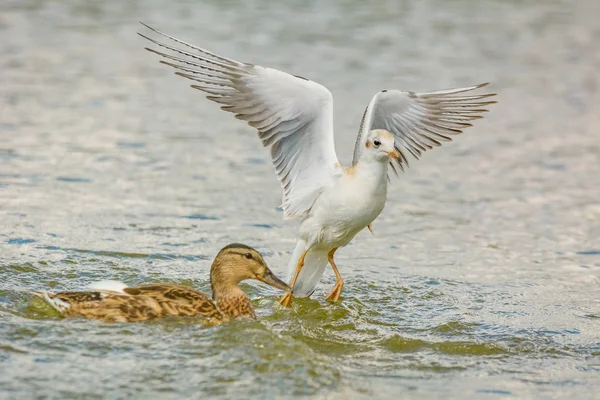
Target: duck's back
178	300
138	303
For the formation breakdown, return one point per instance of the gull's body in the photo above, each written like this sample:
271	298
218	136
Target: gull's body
294	117
339	213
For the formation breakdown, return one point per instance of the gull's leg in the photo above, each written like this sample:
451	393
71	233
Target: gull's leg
339	283
286	300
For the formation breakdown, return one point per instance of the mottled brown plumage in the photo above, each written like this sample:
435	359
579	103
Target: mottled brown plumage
233	264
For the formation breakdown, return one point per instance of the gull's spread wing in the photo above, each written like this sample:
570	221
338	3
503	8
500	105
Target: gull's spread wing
293	116
420	121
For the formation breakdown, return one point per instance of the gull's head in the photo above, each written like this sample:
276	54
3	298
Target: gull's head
380	145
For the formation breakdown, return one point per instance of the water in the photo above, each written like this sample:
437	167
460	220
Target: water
482	278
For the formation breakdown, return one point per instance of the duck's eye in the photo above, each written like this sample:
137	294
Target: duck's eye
248	256
376	143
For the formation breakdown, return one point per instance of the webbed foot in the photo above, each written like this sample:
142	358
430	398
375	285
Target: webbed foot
286	300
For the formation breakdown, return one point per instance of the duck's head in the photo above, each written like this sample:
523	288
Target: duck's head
237	262
380	145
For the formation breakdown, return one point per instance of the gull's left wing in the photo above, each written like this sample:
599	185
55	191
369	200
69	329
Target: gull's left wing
421	121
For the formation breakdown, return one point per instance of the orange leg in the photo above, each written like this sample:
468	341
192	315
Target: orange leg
339	283
286	300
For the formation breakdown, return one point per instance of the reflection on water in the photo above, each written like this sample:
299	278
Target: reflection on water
482	276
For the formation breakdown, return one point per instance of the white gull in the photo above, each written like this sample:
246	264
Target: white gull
294	117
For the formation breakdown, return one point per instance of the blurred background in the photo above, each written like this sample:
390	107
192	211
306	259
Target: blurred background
482	278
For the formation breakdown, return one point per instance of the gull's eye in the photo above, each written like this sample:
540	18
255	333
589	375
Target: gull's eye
376	143
248	256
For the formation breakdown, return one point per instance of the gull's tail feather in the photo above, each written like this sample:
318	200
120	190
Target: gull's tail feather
315	262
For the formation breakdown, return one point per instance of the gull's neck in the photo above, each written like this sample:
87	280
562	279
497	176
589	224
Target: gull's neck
372	168
371	175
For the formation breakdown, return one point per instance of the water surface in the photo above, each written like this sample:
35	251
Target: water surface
481	281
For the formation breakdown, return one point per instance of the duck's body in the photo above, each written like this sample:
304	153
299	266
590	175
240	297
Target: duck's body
115	302
137	303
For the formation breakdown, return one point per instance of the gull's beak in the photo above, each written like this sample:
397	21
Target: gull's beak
393	154
269	278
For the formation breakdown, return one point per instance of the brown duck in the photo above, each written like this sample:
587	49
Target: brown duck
113	301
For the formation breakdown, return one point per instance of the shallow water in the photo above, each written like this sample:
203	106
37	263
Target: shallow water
481	281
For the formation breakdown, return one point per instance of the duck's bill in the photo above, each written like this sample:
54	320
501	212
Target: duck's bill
270	279
393	154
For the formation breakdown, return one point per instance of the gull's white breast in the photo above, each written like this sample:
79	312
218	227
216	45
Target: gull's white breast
345	209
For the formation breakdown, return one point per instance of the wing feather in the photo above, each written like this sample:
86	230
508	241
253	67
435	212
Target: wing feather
293	115
421	121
